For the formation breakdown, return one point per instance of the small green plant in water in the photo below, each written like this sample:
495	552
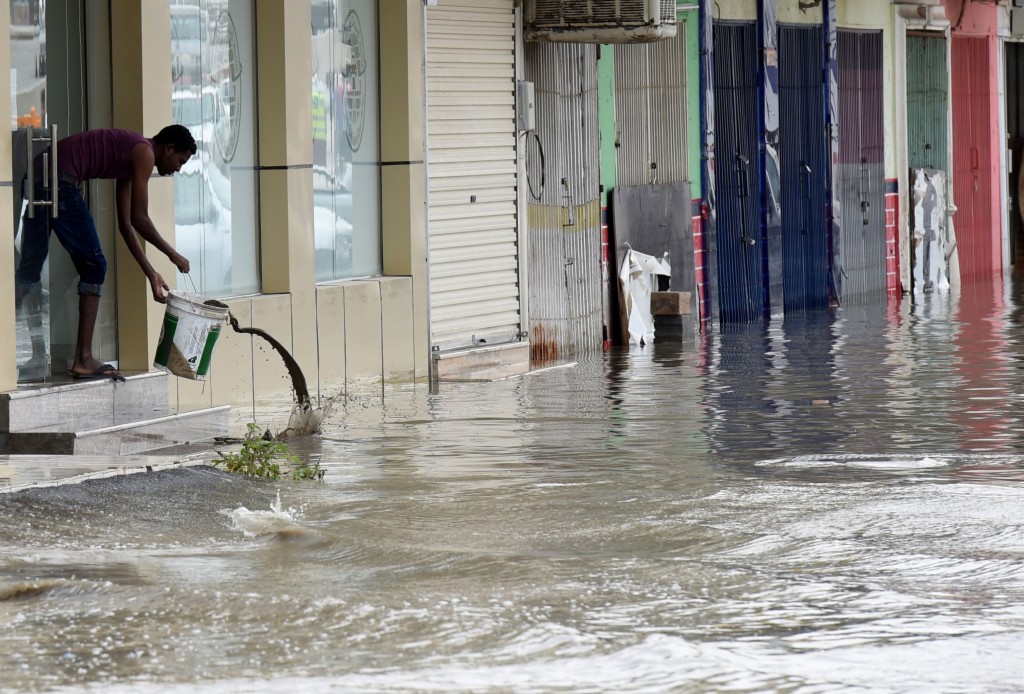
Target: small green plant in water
262	456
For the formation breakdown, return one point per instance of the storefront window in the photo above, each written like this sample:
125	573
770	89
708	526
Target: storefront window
212	64
346	152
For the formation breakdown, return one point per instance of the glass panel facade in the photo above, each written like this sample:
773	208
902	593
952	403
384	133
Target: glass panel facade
50	85
346	150
215	193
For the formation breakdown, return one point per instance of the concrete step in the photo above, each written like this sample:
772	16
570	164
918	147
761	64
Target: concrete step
102	417
488	363
30	407
120	435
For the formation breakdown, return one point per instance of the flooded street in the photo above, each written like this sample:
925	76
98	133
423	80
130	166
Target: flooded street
825	504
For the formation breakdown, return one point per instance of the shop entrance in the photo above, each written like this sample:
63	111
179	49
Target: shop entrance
1015	150
978	233
51	70
741	285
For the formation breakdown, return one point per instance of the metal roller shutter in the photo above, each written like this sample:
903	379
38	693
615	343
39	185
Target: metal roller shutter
978	238
650	108
804	149
472	173
741	288
860	174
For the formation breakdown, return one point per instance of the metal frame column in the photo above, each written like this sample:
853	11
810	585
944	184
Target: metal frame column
707	127
831	96
768	146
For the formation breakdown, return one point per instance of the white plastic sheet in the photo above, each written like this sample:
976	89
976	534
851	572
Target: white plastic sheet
637	279
934	245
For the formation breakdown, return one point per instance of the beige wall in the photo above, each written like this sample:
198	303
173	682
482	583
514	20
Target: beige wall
789	12
403	179
141	75
736	9
343	334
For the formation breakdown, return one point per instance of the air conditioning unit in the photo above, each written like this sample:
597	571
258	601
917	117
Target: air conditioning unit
600	21
922	14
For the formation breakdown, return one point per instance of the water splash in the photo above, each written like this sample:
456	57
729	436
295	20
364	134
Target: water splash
278	523
305	419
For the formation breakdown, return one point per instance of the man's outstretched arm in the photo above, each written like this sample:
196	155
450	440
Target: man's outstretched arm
133	216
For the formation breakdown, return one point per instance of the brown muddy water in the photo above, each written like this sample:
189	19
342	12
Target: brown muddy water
829	504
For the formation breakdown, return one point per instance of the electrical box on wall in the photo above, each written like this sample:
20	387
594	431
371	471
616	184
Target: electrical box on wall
526	119
1017	21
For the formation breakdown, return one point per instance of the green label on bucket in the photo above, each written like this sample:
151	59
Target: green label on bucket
211	340
163	350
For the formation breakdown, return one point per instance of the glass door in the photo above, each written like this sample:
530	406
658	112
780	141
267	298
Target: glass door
50	71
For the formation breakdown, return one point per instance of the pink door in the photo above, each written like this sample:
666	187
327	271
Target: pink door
976	221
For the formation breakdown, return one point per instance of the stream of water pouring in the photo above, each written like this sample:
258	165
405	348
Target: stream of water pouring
304	419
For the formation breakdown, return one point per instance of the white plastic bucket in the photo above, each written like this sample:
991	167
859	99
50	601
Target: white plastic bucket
190	330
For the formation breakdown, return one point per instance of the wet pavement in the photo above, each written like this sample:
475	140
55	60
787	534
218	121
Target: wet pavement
830	503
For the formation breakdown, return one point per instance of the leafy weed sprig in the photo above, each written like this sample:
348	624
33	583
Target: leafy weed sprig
262	456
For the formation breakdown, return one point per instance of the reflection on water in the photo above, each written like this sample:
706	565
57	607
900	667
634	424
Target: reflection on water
818	504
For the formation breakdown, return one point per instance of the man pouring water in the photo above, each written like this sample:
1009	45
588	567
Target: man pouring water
128	158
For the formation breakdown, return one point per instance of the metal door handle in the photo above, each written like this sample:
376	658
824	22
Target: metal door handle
54	173
804	181
742	184
51	171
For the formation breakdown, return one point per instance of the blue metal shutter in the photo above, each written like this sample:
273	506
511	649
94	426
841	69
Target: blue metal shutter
737	244
803	145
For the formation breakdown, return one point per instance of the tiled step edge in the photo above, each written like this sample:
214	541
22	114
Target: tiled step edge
129	438
32	408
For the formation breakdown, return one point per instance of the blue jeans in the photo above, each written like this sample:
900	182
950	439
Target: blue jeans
75	230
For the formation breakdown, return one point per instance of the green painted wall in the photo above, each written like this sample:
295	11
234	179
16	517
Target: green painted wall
606	117
693	134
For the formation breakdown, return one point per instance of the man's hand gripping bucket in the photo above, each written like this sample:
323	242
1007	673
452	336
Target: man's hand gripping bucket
191	327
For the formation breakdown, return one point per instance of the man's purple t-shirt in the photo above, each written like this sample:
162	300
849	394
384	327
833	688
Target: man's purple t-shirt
103	153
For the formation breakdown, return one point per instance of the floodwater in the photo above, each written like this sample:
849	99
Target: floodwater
825	504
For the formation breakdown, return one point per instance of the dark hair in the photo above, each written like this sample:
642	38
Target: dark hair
177	135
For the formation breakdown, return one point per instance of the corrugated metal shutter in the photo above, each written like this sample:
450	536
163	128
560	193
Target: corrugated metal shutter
927	103
563	180
860	177
472	173
803	146
650	112
977	237
737	242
